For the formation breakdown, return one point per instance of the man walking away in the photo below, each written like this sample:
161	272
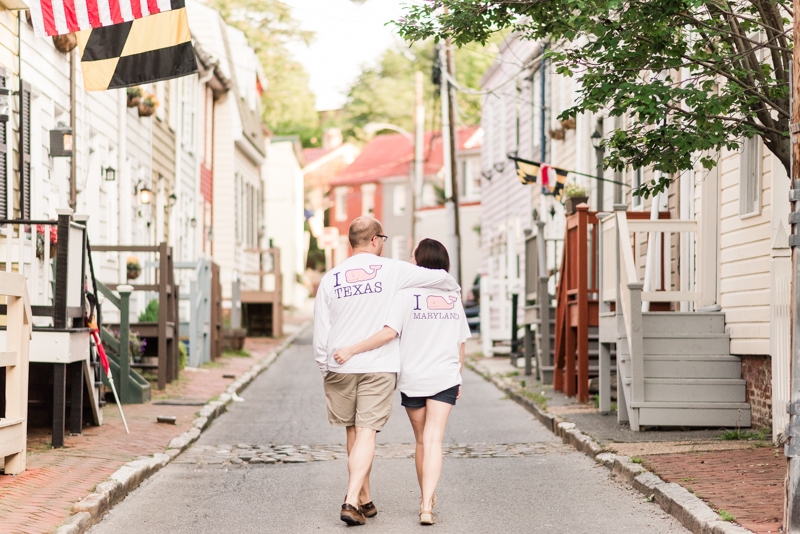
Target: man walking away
351	305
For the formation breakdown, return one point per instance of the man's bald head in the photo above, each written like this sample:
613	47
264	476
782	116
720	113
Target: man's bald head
362	230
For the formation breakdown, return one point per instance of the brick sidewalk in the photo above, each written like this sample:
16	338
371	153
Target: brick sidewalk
745	483
40	499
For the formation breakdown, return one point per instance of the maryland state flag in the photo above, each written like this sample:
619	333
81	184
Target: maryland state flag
557	187
527	171
145	50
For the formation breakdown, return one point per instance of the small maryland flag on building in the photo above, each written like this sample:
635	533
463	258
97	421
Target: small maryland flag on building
527	171
144	50
557	187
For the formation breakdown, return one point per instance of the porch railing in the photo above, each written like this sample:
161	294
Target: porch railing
165	331
621	281
537	297
269	283
14	420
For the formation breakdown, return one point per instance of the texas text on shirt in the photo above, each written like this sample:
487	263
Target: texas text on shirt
432	326
352	303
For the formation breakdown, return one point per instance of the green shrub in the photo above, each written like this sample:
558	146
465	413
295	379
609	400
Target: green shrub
150	313
184	355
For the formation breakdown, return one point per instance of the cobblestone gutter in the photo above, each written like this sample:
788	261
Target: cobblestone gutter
91	509
692	512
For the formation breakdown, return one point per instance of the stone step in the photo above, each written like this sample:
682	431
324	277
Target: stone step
686	366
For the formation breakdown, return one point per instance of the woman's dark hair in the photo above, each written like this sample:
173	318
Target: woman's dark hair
432	255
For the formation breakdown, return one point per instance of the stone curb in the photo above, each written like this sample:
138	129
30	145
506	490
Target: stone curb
90	510
692	512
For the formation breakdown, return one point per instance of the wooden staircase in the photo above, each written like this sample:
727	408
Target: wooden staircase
674	368
689	376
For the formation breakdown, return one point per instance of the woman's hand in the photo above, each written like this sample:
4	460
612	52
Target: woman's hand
343	354
459	393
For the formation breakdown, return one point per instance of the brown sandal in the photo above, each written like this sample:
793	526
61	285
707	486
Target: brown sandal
352	515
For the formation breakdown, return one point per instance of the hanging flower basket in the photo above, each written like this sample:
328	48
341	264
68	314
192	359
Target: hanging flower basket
145	110
134	96
148	105
568	124
134	268
40	242
557	135
65	43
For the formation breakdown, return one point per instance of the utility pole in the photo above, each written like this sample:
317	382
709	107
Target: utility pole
449	150
791	521
419	139
73	165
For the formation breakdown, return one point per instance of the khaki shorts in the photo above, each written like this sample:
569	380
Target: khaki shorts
363	400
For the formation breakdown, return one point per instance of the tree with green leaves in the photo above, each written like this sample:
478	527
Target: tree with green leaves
692	77
287	101
385	92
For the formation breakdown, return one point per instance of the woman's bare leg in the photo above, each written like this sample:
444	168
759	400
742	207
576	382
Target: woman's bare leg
417	418
435	422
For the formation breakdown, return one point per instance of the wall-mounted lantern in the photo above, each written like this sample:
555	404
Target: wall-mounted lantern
61	143
597	138
110	173
193	222
145	195
173	199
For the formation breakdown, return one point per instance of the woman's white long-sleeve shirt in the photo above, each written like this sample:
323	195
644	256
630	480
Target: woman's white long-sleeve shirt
353	303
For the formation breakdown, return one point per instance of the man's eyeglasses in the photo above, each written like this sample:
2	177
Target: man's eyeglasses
384	237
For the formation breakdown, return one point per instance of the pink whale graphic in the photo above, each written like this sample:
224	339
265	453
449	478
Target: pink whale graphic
360	275
439	303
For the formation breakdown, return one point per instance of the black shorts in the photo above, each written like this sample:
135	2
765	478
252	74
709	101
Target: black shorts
448	396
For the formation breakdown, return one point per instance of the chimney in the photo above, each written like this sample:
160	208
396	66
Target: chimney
331	138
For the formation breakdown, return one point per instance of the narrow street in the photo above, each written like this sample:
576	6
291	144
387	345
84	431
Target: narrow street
503	471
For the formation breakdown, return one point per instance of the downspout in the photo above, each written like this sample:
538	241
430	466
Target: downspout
200	218
543	118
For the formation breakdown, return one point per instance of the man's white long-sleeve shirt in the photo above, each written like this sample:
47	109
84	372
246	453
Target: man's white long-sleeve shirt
352	304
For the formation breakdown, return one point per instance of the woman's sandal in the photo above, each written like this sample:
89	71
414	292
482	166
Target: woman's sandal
427	518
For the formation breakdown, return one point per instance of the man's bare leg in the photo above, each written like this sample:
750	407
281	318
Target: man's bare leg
360	453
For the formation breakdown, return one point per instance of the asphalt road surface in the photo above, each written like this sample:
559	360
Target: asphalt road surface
503	471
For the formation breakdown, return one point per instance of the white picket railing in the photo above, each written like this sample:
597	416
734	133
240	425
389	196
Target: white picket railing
14	422
620	283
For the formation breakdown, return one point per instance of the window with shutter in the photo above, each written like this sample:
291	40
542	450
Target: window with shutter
5	76
750	178
25	153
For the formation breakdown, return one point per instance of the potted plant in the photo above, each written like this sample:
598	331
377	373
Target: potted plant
134	96
65	43
40	242
575	194
134	269
148	105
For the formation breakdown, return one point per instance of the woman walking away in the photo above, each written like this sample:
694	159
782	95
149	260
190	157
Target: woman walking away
433	328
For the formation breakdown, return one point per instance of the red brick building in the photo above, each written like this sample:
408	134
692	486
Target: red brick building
378	183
